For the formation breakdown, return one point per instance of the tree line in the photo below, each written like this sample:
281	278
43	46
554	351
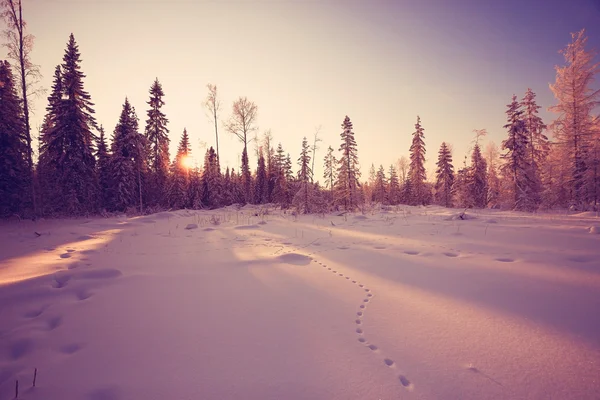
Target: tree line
79	171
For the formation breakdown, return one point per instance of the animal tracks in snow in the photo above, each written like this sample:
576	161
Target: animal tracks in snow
358	321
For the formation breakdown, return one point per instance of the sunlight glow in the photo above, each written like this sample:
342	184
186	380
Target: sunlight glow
187	162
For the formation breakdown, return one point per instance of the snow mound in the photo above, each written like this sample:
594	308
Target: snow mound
246	227
295	259
595	229
209	229
191	226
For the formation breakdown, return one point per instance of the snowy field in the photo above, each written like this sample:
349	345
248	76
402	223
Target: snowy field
403	304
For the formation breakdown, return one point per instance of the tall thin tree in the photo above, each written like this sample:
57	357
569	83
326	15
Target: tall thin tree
213	105
20	45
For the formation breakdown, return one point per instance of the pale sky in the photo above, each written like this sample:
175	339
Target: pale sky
310	63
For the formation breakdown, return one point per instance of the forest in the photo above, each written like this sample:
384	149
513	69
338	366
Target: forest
74	166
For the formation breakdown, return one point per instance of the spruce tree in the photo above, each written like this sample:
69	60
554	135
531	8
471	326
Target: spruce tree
348	171
517	169
15	177
416	172
477	185
227	190
261	188
157	135
128	161
68	142
280	188
444	177
379	192
304	178
539	145
179	190
330	173
393	191
50	149
211	180
103	169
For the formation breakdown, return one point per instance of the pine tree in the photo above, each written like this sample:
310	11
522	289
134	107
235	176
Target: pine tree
379	191
574	125
477	185
348	172
287	168
261	186
103	169
157	135
539	145
416	172
211	180
179	191
517	169
68	142
393	191
15	177
444	177
128	161
304	178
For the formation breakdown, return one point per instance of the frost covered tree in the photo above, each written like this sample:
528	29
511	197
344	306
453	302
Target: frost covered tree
330	173
14	169
444	177
574	125
492	159
158	153
128	161
478	181
67	150
516	168
348	177
539	145
179	190
261	184
103	169
211	180
393	189
241	124
304	179
416	171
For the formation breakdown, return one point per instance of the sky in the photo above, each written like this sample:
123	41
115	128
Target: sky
309	63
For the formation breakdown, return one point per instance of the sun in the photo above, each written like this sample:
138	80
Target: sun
187	162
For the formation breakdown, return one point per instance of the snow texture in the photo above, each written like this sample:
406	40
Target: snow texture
412	305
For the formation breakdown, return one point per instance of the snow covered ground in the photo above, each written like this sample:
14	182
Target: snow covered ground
404	304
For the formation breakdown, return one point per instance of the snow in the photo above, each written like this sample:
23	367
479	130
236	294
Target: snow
411	305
